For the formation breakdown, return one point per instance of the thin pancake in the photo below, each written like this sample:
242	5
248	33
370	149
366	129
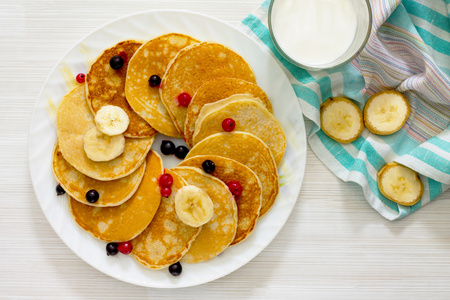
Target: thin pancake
193	66
215	90
248	150
124	222
152	58
219	232
106	86
166	239
249	116
73	121
249	202
76	184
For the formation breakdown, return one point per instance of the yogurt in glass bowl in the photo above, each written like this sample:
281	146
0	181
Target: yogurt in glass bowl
320	34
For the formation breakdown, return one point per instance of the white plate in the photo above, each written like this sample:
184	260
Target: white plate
145	26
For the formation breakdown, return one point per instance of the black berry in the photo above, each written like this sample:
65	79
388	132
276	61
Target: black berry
175	269
181	152
208	166
111	249
92	196
167	147
154	80
59	190
116	62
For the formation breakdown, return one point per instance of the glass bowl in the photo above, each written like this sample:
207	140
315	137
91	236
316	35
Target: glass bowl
363	14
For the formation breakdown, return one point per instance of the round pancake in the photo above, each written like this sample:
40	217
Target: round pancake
124	222
152	58
248	150
193	66
106	86
76	184
74	119
215	90
166	239
249	116
219	232
248	203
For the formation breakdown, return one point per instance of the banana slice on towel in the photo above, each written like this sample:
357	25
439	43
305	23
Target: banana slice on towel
386	112
341	119
193	206
400	184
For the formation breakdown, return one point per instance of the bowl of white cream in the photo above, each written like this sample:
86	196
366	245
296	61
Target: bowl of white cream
320	34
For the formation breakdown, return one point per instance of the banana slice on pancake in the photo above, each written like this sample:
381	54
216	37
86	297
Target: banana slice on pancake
112	120
386	112
101	147
193	206
400	184
341	119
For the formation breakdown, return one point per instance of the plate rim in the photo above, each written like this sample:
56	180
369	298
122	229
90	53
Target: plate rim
34	116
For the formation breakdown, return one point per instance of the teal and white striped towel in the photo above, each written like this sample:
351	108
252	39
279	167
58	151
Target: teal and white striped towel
408	50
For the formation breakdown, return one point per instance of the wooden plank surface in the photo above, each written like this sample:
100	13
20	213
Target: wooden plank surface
334	246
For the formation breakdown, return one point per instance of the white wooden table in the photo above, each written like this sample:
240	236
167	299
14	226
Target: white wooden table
334	245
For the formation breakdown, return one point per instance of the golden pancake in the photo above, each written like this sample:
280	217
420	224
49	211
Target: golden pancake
219	232
124	222
249	116
152	58
73	121
248	150
76	184
106	86
215	90
248	203
193	66
166	239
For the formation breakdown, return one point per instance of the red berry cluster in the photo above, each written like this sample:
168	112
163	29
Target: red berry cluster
165	182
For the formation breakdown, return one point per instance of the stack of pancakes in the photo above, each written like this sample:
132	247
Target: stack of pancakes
130	207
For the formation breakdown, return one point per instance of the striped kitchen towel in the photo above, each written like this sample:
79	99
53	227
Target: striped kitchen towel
408	50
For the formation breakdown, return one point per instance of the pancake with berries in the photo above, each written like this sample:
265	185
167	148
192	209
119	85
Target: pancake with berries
241	113
124	222
215	90
217	234
105	85
242	181
144	73
77	185
250	151
74	121
193	66
167	238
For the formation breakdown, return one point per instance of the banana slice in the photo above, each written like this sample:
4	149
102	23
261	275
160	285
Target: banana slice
112	120
386	112
341	119
101	147
193	206
400	184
